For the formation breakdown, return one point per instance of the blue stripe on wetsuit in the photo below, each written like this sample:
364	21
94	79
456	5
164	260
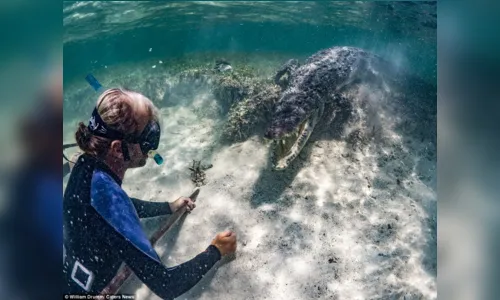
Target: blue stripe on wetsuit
114	205
125	233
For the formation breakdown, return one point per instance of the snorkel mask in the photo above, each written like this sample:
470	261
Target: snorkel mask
148	140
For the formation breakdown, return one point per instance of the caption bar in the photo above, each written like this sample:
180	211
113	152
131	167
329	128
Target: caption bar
99	297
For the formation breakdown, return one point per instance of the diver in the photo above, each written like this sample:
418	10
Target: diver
101	224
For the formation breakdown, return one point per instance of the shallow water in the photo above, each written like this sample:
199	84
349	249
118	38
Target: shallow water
98	34
349	219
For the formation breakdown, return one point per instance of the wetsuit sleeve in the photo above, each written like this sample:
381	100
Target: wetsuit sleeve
127	240
168	283
149	209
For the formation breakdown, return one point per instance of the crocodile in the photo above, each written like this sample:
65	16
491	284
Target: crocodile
308	90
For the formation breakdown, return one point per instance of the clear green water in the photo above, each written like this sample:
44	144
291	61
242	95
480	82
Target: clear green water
98	34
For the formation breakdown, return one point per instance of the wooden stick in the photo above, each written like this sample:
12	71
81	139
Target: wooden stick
124	272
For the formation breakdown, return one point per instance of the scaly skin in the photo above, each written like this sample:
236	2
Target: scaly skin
308	89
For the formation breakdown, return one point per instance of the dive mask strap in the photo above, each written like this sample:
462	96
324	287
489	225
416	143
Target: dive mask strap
148	140
99	128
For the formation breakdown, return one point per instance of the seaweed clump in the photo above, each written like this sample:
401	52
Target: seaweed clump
232	87
198	176
246	117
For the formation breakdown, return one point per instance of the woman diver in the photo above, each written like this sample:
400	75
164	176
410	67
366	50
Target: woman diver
101	223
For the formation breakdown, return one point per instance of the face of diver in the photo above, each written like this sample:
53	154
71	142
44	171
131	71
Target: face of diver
137	158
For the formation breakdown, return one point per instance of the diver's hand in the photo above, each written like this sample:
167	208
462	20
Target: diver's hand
180	203
225	242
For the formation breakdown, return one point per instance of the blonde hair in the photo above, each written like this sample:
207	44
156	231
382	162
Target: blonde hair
120	109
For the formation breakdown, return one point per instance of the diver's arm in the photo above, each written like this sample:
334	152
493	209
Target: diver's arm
169	283
149	209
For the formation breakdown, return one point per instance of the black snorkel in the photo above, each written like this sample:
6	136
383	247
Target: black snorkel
148	140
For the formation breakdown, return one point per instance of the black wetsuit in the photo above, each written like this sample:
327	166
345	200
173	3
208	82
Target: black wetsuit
102	230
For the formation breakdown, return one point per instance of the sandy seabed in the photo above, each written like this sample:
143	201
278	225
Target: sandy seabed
338	224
